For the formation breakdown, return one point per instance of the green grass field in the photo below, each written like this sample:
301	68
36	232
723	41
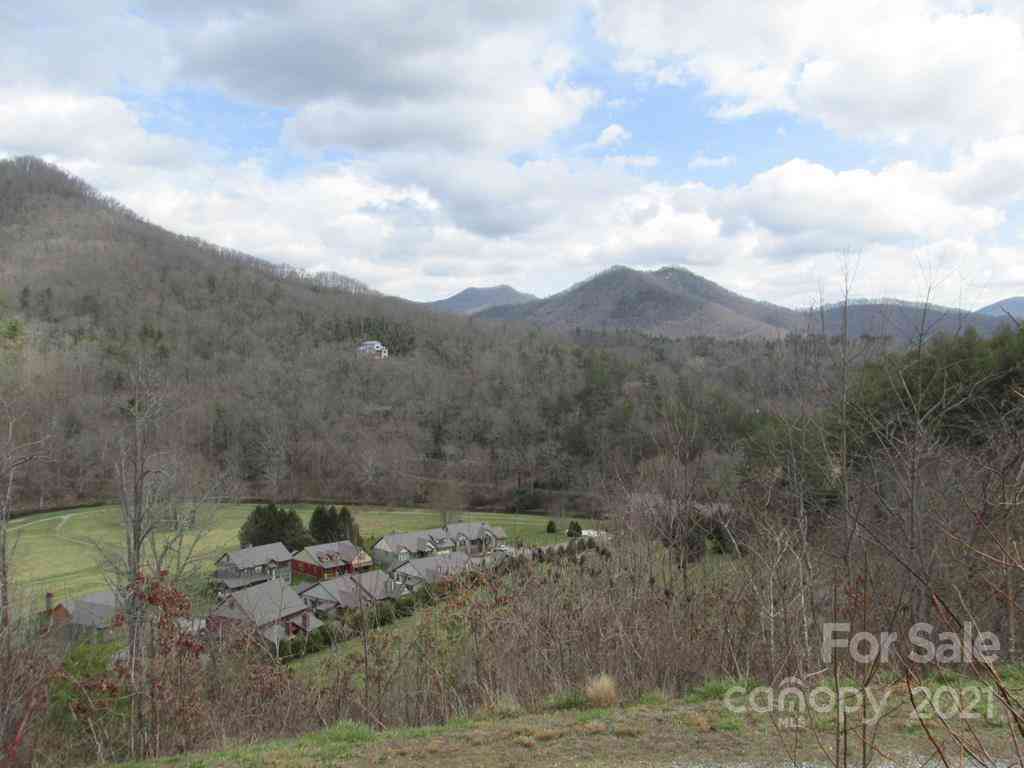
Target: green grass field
58	552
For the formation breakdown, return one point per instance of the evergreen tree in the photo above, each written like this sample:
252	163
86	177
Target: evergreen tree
325	525
349	527
268	523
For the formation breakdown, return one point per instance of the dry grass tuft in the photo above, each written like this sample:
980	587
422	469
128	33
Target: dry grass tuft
435	747
593	728
548	734
525	742
602	691
698	722
627	731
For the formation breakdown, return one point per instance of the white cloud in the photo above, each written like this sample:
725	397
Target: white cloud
96	45
75	125
408	224
612	136
517	121
392	75
894	71
801	207
700	160
451	124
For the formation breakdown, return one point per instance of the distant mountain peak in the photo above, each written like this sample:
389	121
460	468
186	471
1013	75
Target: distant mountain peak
1013	306
470	301
676	302
670	301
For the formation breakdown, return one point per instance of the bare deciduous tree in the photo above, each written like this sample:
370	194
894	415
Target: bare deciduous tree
16	453
22	675
163	517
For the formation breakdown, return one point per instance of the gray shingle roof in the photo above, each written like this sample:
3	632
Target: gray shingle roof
375	584
342	590
437	568
96	610
251	557
334	552
238	582
356	590
261	604
416	541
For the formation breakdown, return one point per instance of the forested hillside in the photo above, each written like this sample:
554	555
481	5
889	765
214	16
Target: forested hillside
267	387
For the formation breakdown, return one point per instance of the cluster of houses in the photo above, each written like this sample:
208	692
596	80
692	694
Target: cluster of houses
283	594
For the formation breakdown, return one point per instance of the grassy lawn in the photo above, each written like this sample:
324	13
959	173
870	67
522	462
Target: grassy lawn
656	733
57	551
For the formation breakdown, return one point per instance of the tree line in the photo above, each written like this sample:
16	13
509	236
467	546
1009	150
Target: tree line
269	523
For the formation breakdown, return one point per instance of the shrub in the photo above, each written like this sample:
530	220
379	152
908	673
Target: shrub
714	689
574	530
504	706
653	698
571	699
602	691
552	528
405	606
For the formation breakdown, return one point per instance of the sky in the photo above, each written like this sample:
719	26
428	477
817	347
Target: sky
423	147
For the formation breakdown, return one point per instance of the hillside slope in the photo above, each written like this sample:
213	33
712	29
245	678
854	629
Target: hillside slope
70	253
1015	306
267	388
903	321
472	300
659	734
671	302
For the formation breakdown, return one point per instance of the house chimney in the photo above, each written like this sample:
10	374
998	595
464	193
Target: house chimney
49	602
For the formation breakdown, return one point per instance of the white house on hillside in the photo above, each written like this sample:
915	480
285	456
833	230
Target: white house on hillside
373	348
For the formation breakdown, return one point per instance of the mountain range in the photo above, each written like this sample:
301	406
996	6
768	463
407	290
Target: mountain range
674	302
473	300
69	253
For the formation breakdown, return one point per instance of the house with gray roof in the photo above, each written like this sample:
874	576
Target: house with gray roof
272	608
372	348
352	591
253	565
325	561
90	615
469	538
425	571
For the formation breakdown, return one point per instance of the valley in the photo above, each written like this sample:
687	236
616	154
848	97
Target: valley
60	552
744	472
